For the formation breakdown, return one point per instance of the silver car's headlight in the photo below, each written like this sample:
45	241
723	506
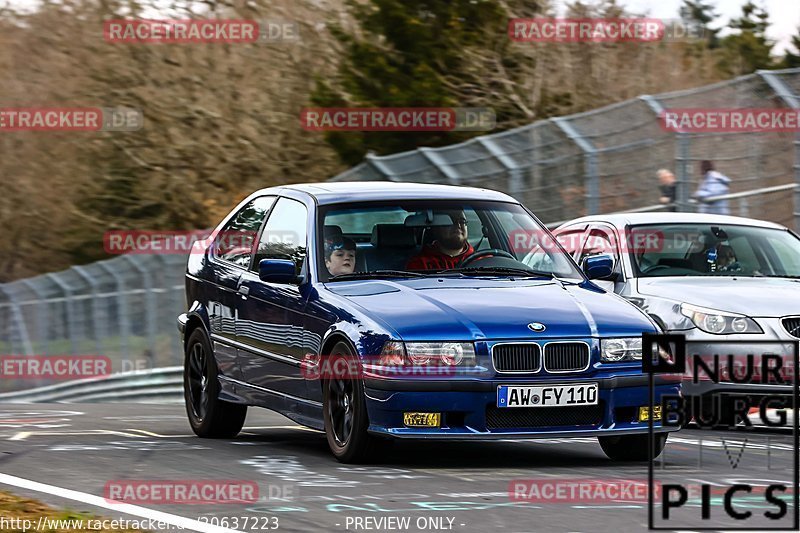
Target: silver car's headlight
431	353
719	322
621	349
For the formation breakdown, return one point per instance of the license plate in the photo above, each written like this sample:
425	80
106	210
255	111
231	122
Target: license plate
644	410
546	395
427	420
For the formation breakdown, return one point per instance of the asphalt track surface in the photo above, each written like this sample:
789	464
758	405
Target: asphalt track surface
462	487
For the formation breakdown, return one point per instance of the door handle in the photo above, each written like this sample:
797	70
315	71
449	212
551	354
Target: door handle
244	290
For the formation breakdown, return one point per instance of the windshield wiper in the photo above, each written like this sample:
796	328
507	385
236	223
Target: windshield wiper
499	270
378	274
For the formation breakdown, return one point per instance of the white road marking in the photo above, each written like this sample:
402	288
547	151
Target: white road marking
22	435
125	508
148	433
302	428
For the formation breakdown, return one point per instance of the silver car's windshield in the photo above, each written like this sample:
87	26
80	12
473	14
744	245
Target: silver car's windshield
716	250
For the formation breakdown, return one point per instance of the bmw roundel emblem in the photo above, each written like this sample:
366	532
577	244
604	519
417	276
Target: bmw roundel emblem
537	327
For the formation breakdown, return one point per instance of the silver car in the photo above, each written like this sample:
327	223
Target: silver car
713	278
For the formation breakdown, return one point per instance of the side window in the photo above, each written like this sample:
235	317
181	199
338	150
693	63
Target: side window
599	241
475	229
285	235
235	242
570	238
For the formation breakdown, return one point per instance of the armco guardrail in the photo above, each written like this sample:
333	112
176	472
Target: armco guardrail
156	385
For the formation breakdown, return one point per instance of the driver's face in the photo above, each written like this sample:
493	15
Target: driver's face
455	235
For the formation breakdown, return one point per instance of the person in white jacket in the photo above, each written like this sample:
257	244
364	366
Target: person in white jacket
714	184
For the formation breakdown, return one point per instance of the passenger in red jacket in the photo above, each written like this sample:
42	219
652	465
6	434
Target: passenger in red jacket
448	248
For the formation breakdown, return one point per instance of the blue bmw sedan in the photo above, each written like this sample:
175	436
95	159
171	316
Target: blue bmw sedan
386	310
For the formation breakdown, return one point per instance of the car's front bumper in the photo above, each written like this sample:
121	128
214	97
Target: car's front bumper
468	409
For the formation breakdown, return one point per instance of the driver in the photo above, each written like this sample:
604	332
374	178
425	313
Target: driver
726	259
449	245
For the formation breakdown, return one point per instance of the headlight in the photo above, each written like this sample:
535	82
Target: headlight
430	353
719	322
621	349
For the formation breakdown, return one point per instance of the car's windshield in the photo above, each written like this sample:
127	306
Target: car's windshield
716	250
464	238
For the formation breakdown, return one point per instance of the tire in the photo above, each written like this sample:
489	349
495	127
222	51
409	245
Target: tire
209	416
345	412
632	447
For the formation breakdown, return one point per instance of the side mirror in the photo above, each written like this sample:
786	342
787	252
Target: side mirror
277	271
599	266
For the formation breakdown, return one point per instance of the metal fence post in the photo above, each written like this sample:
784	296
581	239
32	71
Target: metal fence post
372	160
439	164
150	308
591	177
744	208
514	173
41	317
96	319
22	329
797	181
792	100
684	170
122	309
682	157
70	318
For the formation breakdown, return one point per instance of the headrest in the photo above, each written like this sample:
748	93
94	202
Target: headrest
332	233
393	236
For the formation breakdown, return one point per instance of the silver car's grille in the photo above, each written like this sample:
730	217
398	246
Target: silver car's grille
792	325
566	356
517	357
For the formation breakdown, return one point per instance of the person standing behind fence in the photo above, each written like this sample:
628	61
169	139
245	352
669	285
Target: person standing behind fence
666	180
714	184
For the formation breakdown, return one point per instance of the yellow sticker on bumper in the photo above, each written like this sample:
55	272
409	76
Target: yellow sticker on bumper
428	420
644	410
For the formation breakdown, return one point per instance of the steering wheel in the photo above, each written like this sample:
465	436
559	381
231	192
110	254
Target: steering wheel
477	256
654	268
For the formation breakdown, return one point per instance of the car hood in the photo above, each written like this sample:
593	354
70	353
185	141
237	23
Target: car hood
472	309
756	297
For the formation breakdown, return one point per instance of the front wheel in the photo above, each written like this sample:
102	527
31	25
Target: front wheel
632	447
345	410
209	416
